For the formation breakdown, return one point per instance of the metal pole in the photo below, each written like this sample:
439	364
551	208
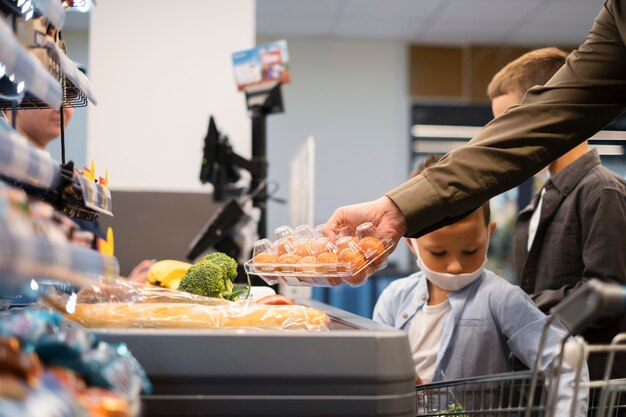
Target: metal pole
259	156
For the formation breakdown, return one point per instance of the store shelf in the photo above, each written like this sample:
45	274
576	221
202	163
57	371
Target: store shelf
32	257
73	75
52	10
28	70
34	247
41	247
72	193
95	196
77	89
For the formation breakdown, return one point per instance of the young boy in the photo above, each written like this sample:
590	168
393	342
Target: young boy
461	319
574	227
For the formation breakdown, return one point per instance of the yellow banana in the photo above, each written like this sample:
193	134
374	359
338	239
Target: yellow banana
173	284
167	273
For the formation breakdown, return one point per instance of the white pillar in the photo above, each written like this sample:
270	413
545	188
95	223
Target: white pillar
159	68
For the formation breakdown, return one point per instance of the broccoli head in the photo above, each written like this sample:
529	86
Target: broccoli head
213	276
203	278
228	265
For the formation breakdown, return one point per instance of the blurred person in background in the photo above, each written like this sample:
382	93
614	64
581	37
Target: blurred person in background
42	126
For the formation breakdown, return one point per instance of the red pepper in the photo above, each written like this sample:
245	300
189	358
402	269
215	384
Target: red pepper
274	299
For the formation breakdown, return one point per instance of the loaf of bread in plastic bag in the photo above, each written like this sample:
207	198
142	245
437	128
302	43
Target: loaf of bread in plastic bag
196	316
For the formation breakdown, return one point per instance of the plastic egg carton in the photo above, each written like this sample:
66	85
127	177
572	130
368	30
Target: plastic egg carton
305	257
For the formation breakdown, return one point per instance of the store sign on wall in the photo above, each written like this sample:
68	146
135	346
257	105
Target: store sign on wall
265	63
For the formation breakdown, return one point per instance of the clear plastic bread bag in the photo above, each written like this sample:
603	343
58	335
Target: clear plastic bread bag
118	303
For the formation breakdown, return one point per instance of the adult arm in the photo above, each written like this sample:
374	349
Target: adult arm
587	93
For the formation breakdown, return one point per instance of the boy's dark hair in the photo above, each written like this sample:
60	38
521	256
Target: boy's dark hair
432	160
531	69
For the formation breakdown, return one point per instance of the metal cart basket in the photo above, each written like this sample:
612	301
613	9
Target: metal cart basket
494	396
508	395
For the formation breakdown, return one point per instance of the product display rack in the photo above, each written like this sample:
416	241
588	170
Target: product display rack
24	67
53	82
60	372
24	253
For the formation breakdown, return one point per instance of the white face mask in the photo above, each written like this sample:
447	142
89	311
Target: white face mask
447	281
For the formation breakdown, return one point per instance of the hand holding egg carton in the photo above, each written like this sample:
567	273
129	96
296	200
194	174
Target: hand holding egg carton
305	257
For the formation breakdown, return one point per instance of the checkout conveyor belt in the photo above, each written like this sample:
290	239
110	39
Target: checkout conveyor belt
357	368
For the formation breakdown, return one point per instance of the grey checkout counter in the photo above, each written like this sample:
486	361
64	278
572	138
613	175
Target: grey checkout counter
358	368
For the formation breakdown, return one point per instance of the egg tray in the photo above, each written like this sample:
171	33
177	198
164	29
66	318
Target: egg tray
353	273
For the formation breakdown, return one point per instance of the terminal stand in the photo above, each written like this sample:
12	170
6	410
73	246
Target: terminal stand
262	100
220	167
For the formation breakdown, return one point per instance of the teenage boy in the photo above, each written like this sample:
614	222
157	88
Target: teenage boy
575	226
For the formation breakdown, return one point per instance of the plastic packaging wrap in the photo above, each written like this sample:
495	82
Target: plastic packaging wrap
239	314
40	246
125	291
52	10
58	393
124	304
304	257
17	363
30	326
51	367
57	343
28	69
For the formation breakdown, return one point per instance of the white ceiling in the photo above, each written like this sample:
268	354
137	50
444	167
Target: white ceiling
522	22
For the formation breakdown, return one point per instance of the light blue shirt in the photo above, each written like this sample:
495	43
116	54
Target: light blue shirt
488	320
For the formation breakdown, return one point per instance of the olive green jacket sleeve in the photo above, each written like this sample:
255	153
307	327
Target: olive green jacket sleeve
587	93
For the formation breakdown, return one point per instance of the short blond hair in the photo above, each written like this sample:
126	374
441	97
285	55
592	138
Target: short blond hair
531	69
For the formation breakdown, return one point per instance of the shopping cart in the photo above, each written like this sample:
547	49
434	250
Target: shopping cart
534	393
607	397
501	395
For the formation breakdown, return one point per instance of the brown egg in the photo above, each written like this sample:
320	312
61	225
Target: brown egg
334	281
326	258
329	260
355	261
303	247
306	268
371	246
304	263
284	245
287	259
373	249
265	258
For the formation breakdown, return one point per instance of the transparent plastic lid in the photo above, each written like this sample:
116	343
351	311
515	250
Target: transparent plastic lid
303	256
